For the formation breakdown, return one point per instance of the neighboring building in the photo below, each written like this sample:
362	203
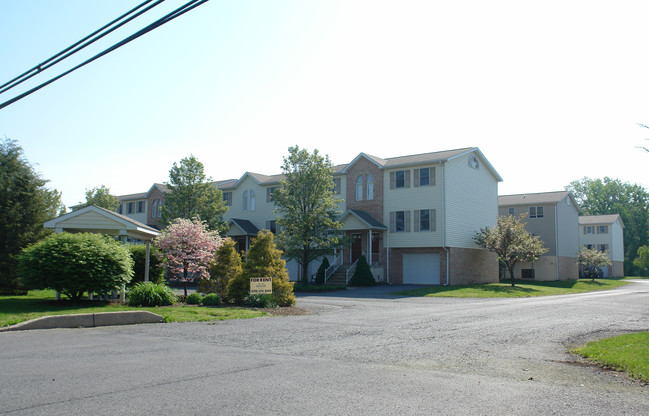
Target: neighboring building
553	217
144	207
604	233
413	217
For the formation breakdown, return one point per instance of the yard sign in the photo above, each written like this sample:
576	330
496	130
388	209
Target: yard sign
261	285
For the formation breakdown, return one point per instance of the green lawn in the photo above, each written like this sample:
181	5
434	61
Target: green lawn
628	353
521	290
15	309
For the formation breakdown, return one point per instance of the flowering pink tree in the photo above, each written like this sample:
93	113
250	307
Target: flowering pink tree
189	247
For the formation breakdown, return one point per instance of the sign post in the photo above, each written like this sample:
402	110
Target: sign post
261	285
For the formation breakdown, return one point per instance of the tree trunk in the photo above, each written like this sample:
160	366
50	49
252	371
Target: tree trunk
305	272
185	280
511	274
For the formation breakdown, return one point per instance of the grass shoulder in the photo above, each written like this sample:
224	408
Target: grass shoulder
627	353
38	303
520	290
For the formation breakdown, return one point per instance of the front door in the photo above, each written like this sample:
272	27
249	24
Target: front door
357	246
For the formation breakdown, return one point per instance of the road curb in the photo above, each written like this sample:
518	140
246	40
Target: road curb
87	320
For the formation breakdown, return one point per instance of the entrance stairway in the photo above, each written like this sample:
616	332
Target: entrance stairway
338	278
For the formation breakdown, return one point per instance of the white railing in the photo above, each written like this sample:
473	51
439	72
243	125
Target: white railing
337	262
350	271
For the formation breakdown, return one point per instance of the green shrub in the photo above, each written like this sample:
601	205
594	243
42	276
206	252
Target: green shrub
156	264
194	299
225	267
260	301
151	294
263	260
320	276
362	275
212	299
76	263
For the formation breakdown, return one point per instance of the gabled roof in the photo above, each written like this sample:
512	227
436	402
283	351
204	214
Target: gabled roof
600	219
365	217
535	198
141	195
245	225
423	159
160	186
96	219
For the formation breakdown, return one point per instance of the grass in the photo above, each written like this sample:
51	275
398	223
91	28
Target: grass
521	290
628	353
15	309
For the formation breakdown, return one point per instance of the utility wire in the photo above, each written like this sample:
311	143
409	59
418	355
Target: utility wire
167	18
74	49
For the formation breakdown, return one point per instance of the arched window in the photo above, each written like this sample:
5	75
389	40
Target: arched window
370	187
245	200
252	200
359	188
154	209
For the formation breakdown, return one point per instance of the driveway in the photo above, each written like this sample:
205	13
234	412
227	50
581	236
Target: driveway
360	352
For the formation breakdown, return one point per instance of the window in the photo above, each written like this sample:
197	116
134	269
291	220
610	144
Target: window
602	229
269	193
602	247
244	200
227	197
588	229
473	162
536	212
425	220
424	177
511	211
130	207
140	206
589	246
370	187
120	209
271	225
337	190
155	208
359	188
400	221
252	200
400	179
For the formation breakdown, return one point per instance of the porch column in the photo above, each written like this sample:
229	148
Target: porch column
369	248
146	260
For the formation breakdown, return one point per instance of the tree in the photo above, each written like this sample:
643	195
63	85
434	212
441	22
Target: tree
362	274
156	264
612	196
192	194
263	260
320	276
511	242
225	266
592	260
25	204
101	197
189	247
642	259
76	263
307	208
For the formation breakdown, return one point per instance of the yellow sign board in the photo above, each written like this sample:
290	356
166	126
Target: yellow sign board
261	285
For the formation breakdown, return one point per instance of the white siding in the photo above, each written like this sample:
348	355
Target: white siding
568	226
617	241
411	199
471	200
263	210
89	220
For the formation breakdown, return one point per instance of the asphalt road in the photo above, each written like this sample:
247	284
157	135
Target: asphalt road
360	352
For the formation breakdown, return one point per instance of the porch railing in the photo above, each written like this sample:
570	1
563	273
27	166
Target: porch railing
337	262
350	271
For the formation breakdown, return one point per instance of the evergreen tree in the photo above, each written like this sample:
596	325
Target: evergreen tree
263	260
320	276
362	275
25	204
225	267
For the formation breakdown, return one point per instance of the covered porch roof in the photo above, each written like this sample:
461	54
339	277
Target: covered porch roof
240	227
355	219
94	219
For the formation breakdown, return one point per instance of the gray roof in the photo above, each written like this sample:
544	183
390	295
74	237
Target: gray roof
600	219
247	227
534	199
364	216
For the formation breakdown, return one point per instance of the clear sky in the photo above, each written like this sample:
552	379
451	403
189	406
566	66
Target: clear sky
549	91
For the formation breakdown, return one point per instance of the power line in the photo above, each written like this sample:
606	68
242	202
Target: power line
73	48
167	18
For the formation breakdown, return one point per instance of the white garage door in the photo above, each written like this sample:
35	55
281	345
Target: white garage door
421	268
